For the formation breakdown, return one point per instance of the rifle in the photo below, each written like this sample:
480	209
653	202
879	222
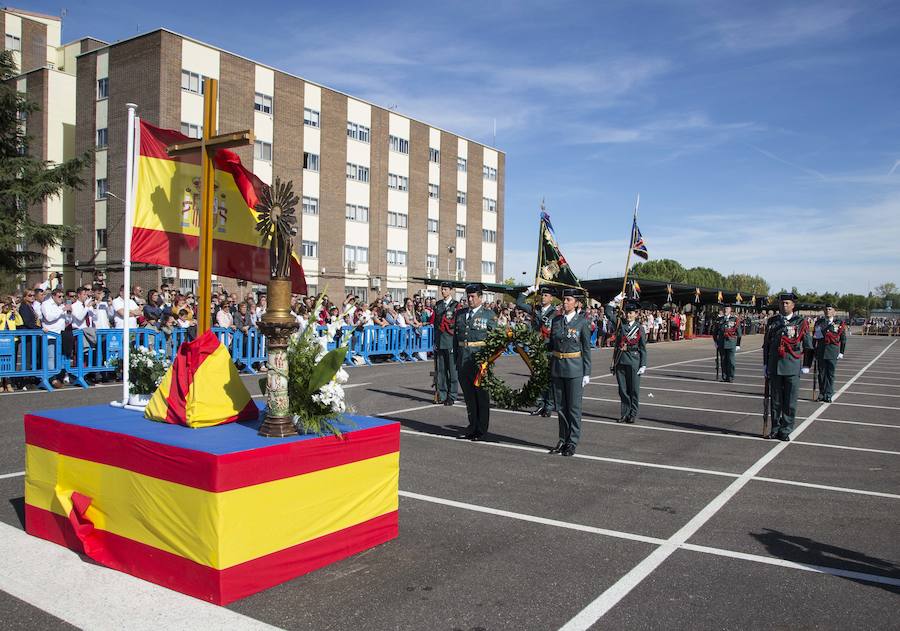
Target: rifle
815	376
766	408
434	378
717	362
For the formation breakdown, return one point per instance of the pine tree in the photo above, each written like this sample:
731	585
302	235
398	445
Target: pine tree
26	181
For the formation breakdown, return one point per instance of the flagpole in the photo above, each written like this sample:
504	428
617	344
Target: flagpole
615	357
130	186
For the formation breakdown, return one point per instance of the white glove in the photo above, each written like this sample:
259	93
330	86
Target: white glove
618	299
585	380
840	356
531	290
642	370
804	370
737	348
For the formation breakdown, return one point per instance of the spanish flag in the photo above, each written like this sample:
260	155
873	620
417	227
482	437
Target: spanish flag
167	212
202	388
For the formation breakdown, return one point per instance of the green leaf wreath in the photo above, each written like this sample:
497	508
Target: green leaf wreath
532	348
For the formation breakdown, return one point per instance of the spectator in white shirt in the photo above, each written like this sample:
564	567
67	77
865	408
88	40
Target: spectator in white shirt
100	310
80	309
133	310
40	295
53	319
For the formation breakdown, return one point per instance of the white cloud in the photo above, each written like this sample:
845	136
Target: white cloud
789	26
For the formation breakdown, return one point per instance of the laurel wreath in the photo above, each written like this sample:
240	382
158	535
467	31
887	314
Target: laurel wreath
532	348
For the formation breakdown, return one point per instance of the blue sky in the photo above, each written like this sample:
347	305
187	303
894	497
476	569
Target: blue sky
763	137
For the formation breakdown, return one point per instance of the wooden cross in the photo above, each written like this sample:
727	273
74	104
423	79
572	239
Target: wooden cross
207	145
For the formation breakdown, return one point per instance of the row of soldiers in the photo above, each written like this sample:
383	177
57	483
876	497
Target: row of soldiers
789	348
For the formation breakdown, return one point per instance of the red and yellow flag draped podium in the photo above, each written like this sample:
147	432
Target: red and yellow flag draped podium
202	388
218	514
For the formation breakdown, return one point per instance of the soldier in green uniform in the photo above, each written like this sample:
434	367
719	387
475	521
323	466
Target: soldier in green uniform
727	335
830	341
472	328
540	322
570	368
787	337
445	345
629	357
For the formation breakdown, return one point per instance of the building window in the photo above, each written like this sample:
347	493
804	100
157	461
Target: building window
358	132
310	117
460	231
433	225
460	265
311	249
490	173
434	155
357	172
190	130
487	267
192	82
396	257
431	261
398	144
310	161
461	197
434	191
461	165
358	213
263	151
103	88
489	236
398	220
398	182
102	188
262	103
102	138
356	254
13	42
310	205
490	205
360	292
101	238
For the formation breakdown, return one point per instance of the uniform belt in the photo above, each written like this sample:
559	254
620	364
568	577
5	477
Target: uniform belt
472	343
559	355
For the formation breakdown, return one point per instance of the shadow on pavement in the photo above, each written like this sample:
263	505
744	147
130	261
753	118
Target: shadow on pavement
810	552
18	504
454	430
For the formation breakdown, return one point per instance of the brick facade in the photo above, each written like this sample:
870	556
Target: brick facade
34	45
378	196
332	192
418	204
447	207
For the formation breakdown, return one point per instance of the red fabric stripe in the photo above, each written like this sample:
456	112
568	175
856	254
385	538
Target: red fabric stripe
248	184
154	141
217	586
207	471
235	260
187	361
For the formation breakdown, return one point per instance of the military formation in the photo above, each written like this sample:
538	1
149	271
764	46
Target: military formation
790	348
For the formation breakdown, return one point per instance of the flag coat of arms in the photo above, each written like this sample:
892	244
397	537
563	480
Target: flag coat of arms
552	265
167	212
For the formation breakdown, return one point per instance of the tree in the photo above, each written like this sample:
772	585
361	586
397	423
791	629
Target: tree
661	269
886	289
26	181
510	282
747	284
705	277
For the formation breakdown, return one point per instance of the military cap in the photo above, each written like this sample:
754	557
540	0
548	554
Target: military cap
575	293
829	305
788	295
447	284
632	305
474	288
546	289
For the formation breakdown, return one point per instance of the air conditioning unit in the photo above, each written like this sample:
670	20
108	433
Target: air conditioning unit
460	275
375	282
169	272
432	272
351	267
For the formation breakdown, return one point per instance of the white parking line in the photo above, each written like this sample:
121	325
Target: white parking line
825	487
615	593
680	407
834	420
717	394
865	405
17	474
874	451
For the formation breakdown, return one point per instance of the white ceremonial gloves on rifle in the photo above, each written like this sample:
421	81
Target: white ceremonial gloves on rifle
642	370
531	290
737	348
804	370
585	380
840	356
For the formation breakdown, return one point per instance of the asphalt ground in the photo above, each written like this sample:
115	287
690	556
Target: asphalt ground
686	519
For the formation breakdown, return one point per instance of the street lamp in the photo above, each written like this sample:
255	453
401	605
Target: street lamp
588	271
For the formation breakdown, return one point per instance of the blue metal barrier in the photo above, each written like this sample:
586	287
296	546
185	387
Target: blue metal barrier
30	353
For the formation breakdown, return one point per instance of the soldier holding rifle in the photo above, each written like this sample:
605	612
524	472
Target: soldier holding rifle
446	381
629	357
830	340
727	335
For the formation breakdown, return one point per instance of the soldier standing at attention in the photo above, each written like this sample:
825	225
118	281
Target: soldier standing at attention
570	368
787	337
472	328
540	322
629	357
830	341
444	345
727	335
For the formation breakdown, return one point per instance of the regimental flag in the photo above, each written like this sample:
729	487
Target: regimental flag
668	293
635	290
719	297
739	298
696	294
167	212
553	268
637	242
753	300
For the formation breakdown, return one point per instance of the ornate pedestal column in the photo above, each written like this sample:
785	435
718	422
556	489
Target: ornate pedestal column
277	325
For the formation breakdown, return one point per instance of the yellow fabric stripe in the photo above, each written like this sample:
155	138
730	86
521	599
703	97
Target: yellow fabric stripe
158	407
216	392
168	199
216	529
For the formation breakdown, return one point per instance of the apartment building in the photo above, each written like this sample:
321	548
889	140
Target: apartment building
47	77
385	198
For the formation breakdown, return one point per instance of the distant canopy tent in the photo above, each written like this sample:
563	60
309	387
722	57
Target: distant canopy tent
659	293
